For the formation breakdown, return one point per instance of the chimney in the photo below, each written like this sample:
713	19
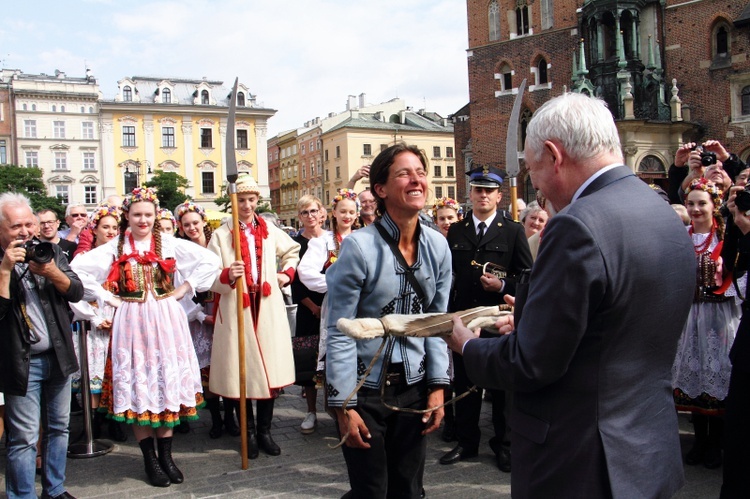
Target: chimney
362	100
351	102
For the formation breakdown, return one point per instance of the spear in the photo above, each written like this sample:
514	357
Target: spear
511	150
231	171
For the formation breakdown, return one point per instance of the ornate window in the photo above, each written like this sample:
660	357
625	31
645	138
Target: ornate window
240	99
204	97
166	96
127	94
493	16
522	20
746	101
547	18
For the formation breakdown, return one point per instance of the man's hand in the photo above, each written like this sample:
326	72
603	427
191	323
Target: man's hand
236	270
715	146
47	270
354	427
491	283
683	153
283	279
76	227
432	419
506	324
14	253
461	334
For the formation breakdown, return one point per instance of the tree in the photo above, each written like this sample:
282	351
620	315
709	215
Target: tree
226	203
170	188
29	181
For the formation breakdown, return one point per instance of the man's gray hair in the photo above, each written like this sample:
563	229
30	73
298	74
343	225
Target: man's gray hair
581	124
74	205
8	199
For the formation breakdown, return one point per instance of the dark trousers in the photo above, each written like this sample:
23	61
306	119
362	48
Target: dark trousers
737	436
469	408
394	464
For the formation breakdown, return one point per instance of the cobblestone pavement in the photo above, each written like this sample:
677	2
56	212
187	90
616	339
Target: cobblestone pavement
307	467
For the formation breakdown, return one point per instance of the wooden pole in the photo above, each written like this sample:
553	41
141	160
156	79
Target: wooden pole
513	198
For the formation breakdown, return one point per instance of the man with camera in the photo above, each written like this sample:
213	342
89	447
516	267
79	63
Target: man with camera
710	160
36	350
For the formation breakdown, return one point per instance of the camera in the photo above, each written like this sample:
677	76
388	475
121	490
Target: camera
38	251
708	158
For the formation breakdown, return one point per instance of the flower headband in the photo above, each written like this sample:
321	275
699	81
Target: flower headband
447	202
140	194
345	194
165	214
104	210
706	185
190	207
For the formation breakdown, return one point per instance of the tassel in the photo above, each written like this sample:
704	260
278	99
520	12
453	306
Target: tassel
266	289
245	300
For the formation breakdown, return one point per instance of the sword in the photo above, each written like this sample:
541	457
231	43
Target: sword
231	172
511	150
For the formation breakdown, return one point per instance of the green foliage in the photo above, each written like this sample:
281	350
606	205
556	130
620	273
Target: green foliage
226	204
170	188
29	181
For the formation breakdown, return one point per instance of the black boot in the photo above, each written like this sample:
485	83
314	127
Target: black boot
96	424
712	457
216	422
230	408
695	455
166	462
252	439
115	431
156	474
265	415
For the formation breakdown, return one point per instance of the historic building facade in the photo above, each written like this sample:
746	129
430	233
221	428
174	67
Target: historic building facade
179	125
671	72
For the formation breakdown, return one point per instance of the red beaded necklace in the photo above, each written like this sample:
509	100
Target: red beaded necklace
703	247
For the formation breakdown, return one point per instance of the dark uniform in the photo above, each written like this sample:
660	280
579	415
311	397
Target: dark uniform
504	243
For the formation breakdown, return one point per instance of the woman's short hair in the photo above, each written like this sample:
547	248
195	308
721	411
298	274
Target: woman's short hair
381	167
307	200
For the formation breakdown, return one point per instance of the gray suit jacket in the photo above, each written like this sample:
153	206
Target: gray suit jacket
595	339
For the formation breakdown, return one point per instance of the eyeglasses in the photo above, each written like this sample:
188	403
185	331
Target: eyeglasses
78	215
309	213
51	222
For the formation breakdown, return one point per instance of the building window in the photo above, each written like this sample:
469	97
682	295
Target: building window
367	149
451	192
438	192
241	139
91	110
338	151
89	194
61	161
325	154
722	41
33	107
450	171
128	136
127	94
448	152
302	149
240	99
206	138
207	182
541	72
62	109
167	136
29	128
58	128
438	170
83	109
32	159
746	100
63	193
338	172
166	96
522	20
3	153
204	97
54	108
87	130
506	78
88	161
436	152
547	18
494	21
24	106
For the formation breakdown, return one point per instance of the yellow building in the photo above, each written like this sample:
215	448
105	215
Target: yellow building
179	125
289	190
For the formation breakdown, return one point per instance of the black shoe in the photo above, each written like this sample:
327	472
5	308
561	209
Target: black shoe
166	462
216	431
183	427
252	445
64	495
696	454
449	433
712	457
230	426
268	445
503	460
75	407
115	431
156	475
457	454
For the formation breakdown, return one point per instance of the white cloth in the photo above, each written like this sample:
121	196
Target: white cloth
311	264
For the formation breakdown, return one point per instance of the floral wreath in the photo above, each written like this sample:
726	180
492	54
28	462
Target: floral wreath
190	207
345	194
165	214
706	185
104	210
140	194
446	202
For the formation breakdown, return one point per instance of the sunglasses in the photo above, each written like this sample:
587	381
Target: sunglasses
78	215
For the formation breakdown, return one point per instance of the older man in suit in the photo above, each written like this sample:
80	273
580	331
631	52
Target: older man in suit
597	327
487	236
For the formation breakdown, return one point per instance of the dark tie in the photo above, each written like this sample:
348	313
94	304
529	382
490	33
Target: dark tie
481	226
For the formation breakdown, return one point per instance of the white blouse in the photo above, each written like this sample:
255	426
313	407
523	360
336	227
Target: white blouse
311	265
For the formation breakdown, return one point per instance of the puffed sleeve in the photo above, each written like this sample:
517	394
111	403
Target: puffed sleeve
197	266
93	268
309	269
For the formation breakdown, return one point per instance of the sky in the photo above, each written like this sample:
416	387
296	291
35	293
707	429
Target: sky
302	57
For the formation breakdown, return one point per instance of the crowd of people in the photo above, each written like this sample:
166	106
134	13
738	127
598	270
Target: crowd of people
624	314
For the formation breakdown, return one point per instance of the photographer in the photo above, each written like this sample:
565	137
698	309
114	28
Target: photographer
692	162
36	350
